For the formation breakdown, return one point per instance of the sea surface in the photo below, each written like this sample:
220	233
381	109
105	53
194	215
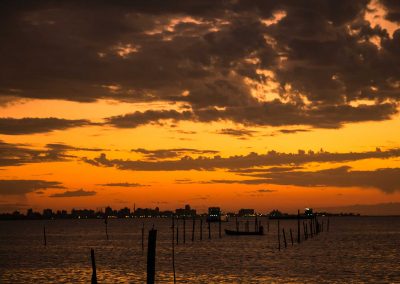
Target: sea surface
355	250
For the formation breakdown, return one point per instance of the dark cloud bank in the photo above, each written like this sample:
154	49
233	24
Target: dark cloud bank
22	187
202	53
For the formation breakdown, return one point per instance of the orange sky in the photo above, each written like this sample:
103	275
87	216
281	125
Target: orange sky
337	120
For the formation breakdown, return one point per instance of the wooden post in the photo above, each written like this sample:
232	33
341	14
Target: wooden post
173	247
268	225
177	231
311	229
291	236
44	236
247	226
256	225
106	223
142	237
219	228
151	256
209	230
237	225
193	227
284	237
327	226
94	275
305	231
201	228
279	237
184	229
298	226
322	226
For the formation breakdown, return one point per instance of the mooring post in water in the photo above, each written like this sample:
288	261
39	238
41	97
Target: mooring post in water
184	229
256	225
237	225
142	237
327	225
284	237
151	256
311	229
44	236
173	247
305	231
94	275
219	228
268	225
201	228
106	224
291	236
193	227
177	231
322	226
298	226
209	230
247	226
279	237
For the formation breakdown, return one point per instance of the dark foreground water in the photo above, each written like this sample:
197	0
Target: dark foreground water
355	250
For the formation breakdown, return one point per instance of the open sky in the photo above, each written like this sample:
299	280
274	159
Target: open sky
262	104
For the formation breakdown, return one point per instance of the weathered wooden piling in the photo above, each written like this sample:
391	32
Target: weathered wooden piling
151	256
279	237
219	228
327	225
291	236
305	230
268	225
284	237
44	236
256	224
94	275
298	226
106	224
209	230
201	228
193	228
311	229
173	247
184	230
237	225
247	226
177	232
142	237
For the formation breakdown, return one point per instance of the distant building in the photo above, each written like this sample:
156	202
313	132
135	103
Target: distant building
214	211
185	212
47	213
246	212
308	212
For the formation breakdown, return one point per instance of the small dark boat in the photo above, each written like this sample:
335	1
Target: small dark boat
260	232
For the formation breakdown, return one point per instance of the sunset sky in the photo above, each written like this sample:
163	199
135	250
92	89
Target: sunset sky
238	104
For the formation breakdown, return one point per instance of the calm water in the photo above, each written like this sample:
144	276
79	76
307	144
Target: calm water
355	250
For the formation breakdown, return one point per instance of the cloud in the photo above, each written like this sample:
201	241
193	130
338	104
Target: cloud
22	187
385	179
292	131
74	193
272	158
29	125
21	154
319	59
124	184
241	133
265	190
170	153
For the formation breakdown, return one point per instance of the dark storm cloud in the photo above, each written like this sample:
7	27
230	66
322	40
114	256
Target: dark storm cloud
123	184
22	187
29	125
272	158
74	193
393	9
202	53
170	153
